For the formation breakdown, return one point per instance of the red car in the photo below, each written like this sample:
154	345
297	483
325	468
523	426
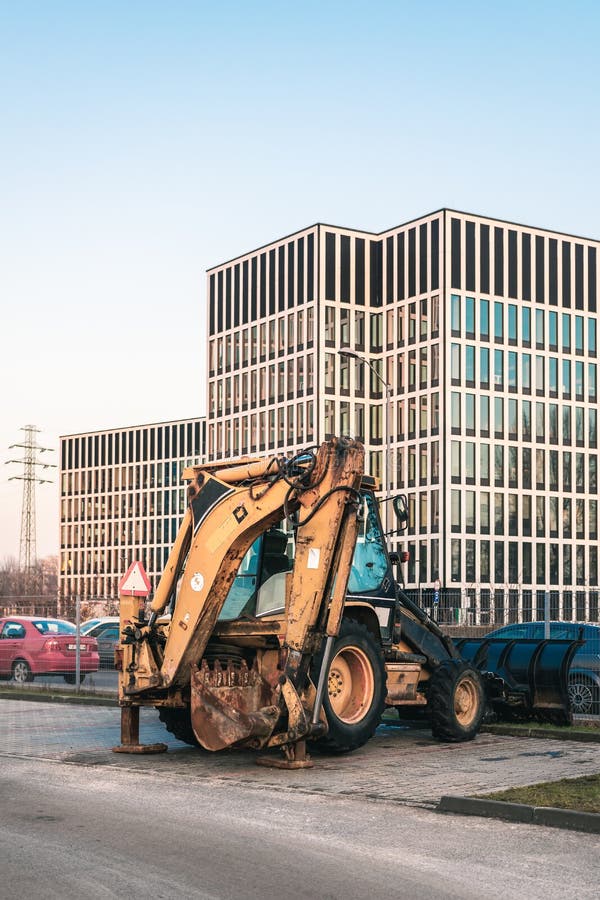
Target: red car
35	645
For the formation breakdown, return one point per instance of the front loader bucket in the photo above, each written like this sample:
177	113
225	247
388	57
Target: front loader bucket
525	678
231	707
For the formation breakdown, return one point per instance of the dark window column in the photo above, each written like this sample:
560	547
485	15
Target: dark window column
484	259
470	256
526	266
455	253
566	273
435	255
329	266
498	261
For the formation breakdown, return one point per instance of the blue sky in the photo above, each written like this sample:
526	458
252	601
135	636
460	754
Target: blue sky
143	142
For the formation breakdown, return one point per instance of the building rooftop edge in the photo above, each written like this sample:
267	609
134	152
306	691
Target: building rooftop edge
442	209
130	427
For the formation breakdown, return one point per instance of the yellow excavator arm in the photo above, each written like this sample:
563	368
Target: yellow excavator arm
231	504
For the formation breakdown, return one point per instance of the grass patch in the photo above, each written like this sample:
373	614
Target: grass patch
582	794
544	726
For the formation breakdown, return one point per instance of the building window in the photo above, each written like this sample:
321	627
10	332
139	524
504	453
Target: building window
455	460
484	415
484	514
484	320
512	323
455	363
498	369
484	367
455	411
526	326
498	514
592	337
566	333
456	518
484	463
539	329
470	317
498	323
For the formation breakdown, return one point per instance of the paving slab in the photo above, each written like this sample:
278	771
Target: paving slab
400	764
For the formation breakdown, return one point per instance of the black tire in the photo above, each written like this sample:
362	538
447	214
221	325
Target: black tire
70	678
352	714
584	695
178	722
456	701
21	671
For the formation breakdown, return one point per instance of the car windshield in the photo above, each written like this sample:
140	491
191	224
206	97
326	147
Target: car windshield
54	626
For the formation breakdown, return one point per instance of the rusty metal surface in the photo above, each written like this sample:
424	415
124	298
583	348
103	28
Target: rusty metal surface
231	706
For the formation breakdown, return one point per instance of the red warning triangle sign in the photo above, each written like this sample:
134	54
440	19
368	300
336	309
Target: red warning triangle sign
135	582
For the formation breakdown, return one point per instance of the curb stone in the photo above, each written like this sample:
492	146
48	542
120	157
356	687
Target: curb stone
522	812
48	697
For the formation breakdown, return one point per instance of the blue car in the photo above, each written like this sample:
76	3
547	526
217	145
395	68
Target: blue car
584	675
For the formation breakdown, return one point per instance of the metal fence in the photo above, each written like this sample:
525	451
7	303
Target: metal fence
468	612
76	610
506	606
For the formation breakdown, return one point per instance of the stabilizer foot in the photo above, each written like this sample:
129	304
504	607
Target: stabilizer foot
296	757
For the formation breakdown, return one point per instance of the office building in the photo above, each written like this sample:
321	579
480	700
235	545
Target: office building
122	499
475	391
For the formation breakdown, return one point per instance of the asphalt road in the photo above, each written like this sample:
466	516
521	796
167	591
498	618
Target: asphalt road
68	831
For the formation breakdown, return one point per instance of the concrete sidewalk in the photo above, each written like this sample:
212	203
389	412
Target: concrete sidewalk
400	764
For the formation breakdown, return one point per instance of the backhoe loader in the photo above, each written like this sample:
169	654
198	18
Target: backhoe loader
278	622
277	619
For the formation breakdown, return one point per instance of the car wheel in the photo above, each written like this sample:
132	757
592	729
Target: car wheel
70	679
21	671
583	694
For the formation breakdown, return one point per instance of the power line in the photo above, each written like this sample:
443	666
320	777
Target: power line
27	547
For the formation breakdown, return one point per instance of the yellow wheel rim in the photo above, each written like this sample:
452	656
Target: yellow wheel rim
466	701
351	685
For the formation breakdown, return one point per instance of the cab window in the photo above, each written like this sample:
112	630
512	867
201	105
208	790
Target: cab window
370	562
244	584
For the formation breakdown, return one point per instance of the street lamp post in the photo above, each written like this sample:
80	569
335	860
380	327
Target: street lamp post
388	421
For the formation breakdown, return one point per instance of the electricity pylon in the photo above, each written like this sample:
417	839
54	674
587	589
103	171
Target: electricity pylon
27	548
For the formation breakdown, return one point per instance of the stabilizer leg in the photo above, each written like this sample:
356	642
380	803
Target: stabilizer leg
130	734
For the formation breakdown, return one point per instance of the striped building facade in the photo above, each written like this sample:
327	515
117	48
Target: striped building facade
484	333
122	499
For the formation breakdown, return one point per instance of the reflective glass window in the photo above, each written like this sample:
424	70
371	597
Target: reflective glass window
566	333
526	325
512	323
498	321
484	319
484	366
470	316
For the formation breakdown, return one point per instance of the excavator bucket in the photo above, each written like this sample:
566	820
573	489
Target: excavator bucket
231	706
525	679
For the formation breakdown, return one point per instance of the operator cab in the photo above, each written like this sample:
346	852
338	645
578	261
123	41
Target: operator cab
259	588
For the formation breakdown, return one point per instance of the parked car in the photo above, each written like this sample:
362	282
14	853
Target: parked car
87	627
584	674
106	633
89	623
34	645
